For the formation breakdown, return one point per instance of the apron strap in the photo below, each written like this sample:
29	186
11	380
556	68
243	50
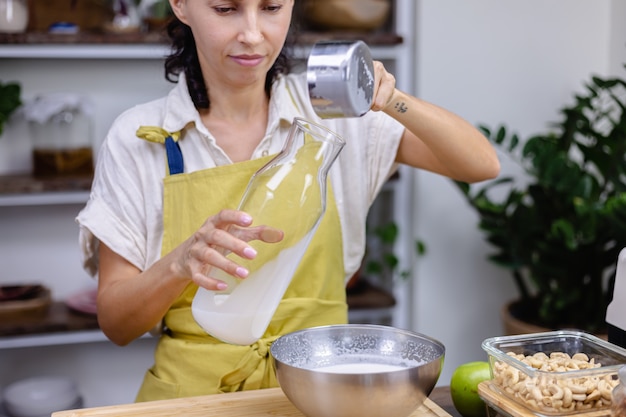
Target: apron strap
172	148
249	363
174	156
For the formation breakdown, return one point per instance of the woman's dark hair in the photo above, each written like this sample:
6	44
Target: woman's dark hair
184	58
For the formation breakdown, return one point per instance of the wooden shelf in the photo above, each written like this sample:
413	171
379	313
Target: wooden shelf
60	325
158	38
52	339
97	38
98	45
57	320
58	317
26	190
364	295
373	38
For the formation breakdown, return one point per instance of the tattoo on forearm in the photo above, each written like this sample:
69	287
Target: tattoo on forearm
401	107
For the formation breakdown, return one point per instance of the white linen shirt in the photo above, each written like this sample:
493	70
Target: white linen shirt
125	208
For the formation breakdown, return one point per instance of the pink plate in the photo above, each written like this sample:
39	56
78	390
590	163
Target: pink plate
83	301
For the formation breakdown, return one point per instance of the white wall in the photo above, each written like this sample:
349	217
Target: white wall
618	37
514	62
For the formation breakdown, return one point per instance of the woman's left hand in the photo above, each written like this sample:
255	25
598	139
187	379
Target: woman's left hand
384	86
434	139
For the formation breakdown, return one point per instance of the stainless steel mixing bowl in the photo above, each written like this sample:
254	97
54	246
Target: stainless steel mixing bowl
361	350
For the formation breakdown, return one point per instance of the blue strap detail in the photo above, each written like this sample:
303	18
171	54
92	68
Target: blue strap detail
174	156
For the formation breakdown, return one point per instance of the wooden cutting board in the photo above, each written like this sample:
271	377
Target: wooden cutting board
266	402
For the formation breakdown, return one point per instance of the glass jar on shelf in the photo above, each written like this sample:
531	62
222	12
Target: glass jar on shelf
60	127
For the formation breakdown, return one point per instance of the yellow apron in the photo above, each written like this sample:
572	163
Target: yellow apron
188	361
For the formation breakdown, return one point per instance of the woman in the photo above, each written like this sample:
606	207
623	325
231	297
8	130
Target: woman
156	220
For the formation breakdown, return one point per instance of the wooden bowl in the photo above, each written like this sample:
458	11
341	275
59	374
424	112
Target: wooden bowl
33	300
360	15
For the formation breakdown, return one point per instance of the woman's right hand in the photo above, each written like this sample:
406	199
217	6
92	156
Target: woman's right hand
226	232
131	301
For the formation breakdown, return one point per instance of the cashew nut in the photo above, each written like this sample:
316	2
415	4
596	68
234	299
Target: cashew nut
577	389
593	396
512	376
556	391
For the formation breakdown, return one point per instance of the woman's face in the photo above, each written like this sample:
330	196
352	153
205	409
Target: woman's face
237	40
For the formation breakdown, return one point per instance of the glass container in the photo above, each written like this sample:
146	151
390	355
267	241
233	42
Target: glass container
618	401
61	132
289	194
555	373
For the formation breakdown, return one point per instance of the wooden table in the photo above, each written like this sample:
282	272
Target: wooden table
258	403
441	396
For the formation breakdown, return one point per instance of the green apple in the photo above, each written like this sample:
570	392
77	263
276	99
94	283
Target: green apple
464	388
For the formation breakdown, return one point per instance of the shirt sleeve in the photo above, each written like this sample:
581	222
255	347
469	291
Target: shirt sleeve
116	213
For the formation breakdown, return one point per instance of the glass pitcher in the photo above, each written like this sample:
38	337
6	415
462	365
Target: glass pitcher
289	194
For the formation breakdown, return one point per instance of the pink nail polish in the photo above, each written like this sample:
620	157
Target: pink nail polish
221	286
249	252
242	272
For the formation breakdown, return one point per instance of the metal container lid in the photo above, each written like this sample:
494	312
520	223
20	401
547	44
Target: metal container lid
340	76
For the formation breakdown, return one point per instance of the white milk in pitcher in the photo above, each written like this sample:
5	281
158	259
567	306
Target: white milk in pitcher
242	316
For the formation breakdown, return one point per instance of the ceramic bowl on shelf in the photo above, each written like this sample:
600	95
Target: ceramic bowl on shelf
357	370
41	396
359	15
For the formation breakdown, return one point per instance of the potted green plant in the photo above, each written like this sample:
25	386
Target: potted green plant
560	229
9	101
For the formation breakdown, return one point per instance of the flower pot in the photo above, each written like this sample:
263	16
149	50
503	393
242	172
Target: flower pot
513	322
